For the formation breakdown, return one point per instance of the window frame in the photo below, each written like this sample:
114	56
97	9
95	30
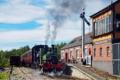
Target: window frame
108	51
101	51
94	52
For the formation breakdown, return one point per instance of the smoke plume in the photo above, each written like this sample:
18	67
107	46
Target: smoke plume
62	10
48	33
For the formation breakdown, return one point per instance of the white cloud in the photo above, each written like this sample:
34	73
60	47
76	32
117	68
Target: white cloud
69	30
19	11
16	36
94	6
17	2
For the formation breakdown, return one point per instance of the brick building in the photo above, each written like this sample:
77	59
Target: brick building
73	50
106	38
104	47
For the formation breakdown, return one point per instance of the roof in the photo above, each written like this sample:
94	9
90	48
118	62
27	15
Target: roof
109	7
27	52
78	41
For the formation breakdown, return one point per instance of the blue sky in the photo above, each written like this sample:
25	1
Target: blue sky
23	22
19	26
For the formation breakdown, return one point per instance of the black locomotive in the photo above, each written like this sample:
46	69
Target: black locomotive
34	59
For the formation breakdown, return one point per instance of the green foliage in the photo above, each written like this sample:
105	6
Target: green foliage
5	55
4	76
59	46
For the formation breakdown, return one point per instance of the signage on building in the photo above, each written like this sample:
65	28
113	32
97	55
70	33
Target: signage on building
103	41
102	38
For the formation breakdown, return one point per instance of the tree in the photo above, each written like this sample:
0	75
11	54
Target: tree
5	55
59	46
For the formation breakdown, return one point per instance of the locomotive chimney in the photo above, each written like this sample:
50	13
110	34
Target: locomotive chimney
54	49
53	46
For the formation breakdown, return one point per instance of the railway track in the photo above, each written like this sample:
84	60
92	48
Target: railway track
26	74
22	73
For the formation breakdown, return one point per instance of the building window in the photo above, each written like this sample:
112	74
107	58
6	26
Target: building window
108	51
93	29
94	52
100	51
98	27
77	53
103	26
89	51
110	23
70	54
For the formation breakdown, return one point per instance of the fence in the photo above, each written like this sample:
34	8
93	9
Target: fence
116	58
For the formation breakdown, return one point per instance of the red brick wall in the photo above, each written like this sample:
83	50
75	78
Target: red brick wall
72	52
104	56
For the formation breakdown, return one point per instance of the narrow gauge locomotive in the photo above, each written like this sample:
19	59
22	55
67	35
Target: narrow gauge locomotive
34	58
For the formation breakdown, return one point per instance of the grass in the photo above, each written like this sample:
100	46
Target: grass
4	76
113	79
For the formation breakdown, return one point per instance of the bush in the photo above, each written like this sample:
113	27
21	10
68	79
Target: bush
4	62
5	55
4	76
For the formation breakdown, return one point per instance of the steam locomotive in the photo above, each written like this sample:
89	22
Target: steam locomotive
43	57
